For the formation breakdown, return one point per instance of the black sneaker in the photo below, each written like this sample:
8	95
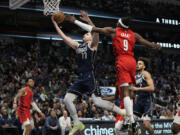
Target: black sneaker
125	128
133	127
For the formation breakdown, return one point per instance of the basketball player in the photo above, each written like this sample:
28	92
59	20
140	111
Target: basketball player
86	80
143	106
123	42
176	122
119	123
25	96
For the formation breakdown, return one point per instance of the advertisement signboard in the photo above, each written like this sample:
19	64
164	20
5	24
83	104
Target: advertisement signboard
161	127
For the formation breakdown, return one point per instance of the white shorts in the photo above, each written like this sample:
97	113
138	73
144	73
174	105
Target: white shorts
177	119
146	117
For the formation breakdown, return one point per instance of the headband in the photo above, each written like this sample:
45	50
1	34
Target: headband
122	24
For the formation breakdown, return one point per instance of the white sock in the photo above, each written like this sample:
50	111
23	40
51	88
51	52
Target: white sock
68	100
128	106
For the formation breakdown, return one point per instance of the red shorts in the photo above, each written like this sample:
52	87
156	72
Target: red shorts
24	115
125	70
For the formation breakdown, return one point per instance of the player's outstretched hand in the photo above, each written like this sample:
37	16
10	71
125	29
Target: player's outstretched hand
70	18
84	16
42	115
157	46
52	19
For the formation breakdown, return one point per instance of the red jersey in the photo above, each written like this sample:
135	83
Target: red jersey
26	100
123	42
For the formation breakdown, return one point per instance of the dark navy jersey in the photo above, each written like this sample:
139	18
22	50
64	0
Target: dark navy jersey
141	82
85	58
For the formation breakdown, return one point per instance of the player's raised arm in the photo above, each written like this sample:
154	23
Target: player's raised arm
65	38
109	31
145	42
95	35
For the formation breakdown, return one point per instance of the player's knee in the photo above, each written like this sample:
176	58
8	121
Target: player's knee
69	98
95	100
66	99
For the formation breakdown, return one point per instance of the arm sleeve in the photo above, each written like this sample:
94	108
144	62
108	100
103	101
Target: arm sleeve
84	26
35	107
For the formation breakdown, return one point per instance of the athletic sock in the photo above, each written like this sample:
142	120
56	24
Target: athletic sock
129	108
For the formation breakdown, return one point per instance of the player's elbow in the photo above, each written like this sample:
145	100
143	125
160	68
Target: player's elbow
152	88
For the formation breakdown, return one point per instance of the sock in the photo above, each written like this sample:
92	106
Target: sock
68	100
128	106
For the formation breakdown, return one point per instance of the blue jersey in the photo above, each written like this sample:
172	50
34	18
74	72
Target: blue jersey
141	82
144	100
85	58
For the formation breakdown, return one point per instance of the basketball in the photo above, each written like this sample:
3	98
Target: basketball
59	17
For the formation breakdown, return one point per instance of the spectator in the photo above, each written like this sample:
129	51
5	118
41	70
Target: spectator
52	124
164	114
6	120
38	125
106	116
97	116
65	123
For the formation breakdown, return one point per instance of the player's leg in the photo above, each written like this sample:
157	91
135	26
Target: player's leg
176	124
148	126
98	101
68	100
124	79
27	127
148	106
176	128
118	126
127	101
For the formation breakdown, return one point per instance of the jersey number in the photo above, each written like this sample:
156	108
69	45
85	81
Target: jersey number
84	55
125	42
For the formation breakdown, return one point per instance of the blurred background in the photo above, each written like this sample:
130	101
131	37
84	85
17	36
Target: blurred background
30	47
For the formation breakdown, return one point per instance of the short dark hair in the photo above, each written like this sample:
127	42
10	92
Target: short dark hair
145	60
127	21
27	79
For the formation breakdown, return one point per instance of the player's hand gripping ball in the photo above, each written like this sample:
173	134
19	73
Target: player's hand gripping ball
59	17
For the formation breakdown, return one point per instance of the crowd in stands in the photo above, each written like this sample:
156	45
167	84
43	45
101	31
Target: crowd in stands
53	67
128	7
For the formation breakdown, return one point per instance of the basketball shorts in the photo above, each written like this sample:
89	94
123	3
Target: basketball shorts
143	108
24	115
85	83
125	70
